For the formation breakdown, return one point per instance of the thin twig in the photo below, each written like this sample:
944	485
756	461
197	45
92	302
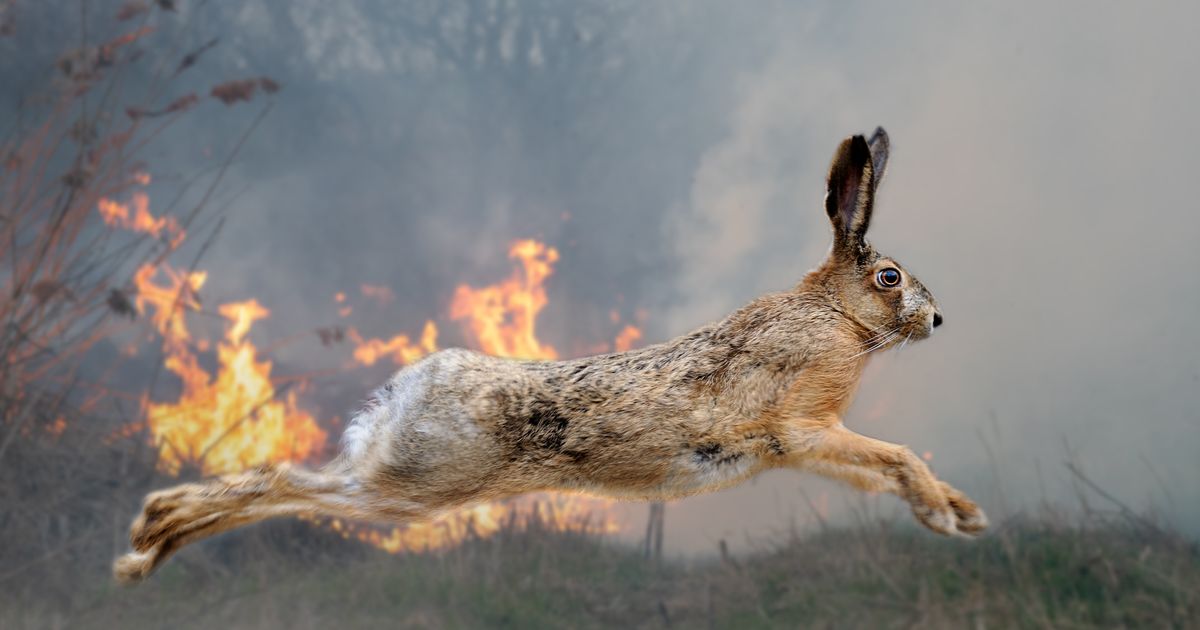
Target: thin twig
1125	509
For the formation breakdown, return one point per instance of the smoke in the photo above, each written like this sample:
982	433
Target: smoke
1031	188
675	154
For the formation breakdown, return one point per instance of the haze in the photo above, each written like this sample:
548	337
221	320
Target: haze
674	152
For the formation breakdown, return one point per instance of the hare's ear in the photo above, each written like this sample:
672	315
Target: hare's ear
850	193
880	145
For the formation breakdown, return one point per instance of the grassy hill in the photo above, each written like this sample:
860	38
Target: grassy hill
1033	573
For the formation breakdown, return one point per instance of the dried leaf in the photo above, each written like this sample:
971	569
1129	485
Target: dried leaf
268	85
82	64
181	104
120	304
44	290
331	335
190	59
69	61
231	92
127	38
77	177
131	9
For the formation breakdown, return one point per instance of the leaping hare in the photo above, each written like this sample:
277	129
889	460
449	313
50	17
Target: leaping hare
764	388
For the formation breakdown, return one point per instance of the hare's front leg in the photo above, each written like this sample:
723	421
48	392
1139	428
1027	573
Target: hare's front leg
878	466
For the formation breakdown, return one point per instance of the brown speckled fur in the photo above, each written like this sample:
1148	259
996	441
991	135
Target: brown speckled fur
764	388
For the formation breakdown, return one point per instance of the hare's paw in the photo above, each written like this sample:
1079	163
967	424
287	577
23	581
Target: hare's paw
936	514
162	511
135	566
931	507
970	519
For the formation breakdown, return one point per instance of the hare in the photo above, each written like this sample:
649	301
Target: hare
764	388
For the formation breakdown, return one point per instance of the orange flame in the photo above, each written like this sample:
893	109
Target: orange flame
346	309
231	420
502	316
57	427
626	339
170	301
400	348
224	421
381	294
233	417
140	220
556	512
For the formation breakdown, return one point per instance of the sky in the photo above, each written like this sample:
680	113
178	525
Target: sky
674	152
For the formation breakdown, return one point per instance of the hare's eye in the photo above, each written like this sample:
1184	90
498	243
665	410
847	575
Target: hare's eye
889	277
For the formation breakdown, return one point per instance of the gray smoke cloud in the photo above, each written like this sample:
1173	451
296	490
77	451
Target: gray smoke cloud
1032	186
675	153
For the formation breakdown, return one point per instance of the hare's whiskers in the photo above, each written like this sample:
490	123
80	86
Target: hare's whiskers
879	335
873	347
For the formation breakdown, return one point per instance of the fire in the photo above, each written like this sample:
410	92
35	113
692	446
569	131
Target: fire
233	417
140	220
230	420
170	301
57	427
626	339
502	316
381	294
223	421
400	348
344	310
501	319
559	512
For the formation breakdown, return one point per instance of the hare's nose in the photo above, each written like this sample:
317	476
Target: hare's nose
937	320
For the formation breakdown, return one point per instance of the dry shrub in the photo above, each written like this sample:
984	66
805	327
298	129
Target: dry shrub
70	471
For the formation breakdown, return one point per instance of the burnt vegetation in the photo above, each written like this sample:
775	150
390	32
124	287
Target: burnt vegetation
72	470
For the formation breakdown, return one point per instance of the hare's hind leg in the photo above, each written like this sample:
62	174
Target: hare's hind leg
879	466
177	516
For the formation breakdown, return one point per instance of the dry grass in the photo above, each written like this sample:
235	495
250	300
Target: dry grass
1030	573
66	503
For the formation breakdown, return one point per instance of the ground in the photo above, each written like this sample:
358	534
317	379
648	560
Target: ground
1030	572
